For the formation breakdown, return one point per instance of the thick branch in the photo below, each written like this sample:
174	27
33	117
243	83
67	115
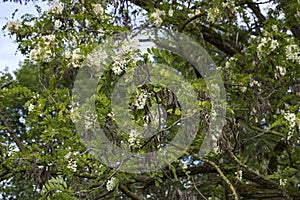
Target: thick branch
130	194
12	133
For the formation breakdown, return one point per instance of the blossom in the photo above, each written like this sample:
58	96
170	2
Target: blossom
34	54
171	12
48	39
118	65
112	183
133	138
282	182
213	14
98	9
141	99
293	53
274	45
239	175
156	16
72	163
76	54
57	24
243	89
13	26
30	107
275	28
97	58
280	70
266	46
129	47
230	62
254	83
291	118
68	54
57	9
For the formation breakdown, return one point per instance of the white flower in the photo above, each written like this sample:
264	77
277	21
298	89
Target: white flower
254	83
274	45
239	175
34	54
75	54
118	65
68	54
291	118
112	183
280	70
129	46
282	182
213	14
97	58
293	53
171	12
156	16
48	39
243	89
72	163
68	155
57	9
141	99
274	28
13	26
57	24
133	138
98	9
30	107
111	114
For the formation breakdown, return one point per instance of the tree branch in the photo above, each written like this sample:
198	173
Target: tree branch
130	194
12	133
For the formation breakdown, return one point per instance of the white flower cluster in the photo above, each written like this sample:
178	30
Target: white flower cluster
97	58
90	120
141	99
291	118
254	83
197	12
229	4
30	107
133	139
13	26
293	53
231	62
280	71
266	47
98	9
57	24
112	183
282	182
170	12
118	66
274	28
156	17
74	57
127	53
239	175
56	8
43	49
72	163
213	14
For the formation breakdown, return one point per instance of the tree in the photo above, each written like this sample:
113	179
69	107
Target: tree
255	46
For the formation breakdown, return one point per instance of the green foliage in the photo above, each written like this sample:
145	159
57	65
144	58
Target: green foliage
43	155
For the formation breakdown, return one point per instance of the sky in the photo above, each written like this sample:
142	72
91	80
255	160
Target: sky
8	47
